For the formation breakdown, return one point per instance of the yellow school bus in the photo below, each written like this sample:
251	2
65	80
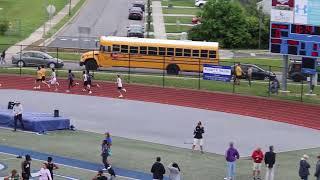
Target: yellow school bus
170	55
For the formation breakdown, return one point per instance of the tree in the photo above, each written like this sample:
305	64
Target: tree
4	26
223	21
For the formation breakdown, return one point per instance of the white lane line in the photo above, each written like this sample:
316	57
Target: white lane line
63	39
74	39
86	40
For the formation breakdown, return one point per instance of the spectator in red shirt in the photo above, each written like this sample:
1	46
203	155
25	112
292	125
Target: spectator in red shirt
257	157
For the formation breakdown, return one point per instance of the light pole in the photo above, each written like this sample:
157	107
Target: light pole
149	18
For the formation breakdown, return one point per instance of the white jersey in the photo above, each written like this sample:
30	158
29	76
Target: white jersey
85	77
119	82
53	76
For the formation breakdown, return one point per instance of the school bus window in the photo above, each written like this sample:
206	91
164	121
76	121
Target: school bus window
152	50
124	48
133	49
116	48
212	54
170	51
195	53
143	50
204	53
178	52
162	51
187	52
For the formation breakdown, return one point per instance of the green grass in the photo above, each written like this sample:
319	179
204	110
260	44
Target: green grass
189	11
30	14
183	20
189	3
177	29
275	64
259	88
65	19
66	56
139	155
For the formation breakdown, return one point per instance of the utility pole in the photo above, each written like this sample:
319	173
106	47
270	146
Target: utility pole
69	7
149	18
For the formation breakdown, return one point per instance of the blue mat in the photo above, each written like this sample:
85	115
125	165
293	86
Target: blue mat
36	122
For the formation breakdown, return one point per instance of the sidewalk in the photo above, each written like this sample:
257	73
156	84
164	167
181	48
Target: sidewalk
38	34
158	21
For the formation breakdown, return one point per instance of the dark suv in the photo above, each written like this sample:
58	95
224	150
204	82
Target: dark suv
257	72
135	13
135	31
139	4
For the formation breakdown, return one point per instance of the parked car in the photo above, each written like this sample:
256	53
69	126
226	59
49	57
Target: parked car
135	13
36	58
135	30
200	3
295	74
139	4
258	73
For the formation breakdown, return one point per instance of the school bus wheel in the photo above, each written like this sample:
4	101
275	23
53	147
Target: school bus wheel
173	69
91	65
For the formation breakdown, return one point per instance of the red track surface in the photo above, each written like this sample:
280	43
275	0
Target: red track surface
289	112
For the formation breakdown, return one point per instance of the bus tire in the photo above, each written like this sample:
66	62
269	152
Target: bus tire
91	65
173	69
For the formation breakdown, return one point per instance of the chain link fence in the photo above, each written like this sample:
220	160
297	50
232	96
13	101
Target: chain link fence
265	80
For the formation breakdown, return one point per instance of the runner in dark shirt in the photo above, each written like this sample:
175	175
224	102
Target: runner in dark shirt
198	138
51	166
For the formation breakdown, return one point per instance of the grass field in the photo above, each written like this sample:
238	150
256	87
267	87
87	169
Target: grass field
66	56
139	155
178	2
259	88
183	20
177	29
30	13
189	11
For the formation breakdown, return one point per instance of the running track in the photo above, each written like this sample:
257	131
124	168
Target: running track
283	111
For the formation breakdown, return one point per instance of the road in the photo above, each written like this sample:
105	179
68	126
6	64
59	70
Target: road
96	18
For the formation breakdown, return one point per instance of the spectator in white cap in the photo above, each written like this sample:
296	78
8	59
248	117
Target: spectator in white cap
304	167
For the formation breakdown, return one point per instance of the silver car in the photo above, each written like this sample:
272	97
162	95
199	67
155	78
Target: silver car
36	58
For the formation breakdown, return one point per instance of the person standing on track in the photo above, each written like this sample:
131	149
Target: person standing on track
53	79
71	80
231	155
120	86
106	153
304	167
270	160
17	112
26	168
51	166
198	138
158	170
257	157
44	173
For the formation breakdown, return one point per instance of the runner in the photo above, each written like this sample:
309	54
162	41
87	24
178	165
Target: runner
38	79
86	84
53	79
71	80
43	75
90	76
120	86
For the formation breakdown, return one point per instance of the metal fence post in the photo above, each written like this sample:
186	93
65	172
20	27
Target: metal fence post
301	93
57	56
163	70
129	72
20	59
234	77
270	81
199	76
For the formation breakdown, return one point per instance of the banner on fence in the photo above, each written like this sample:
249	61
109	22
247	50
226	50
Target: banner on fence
216	73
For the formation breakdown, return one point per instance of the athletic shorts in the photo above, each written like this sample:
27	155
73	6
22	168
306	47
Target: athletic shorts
197	141
43	78
89	82
119	88
256	166
53	81
238	77
38	80
85	83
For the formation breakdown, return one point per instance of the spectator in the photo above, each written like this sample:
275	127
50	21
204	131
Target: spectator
51	166
17	112
249	75
174	171
3	57
238	74
275	85
257	157
26	168
100	176
317	173
44	173
304	167
270	160
106	153
158	170
198	138
13	176
232	155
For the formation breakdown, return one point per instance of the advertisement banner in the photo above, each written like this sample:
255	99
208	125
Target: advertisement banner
217	73
282	16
